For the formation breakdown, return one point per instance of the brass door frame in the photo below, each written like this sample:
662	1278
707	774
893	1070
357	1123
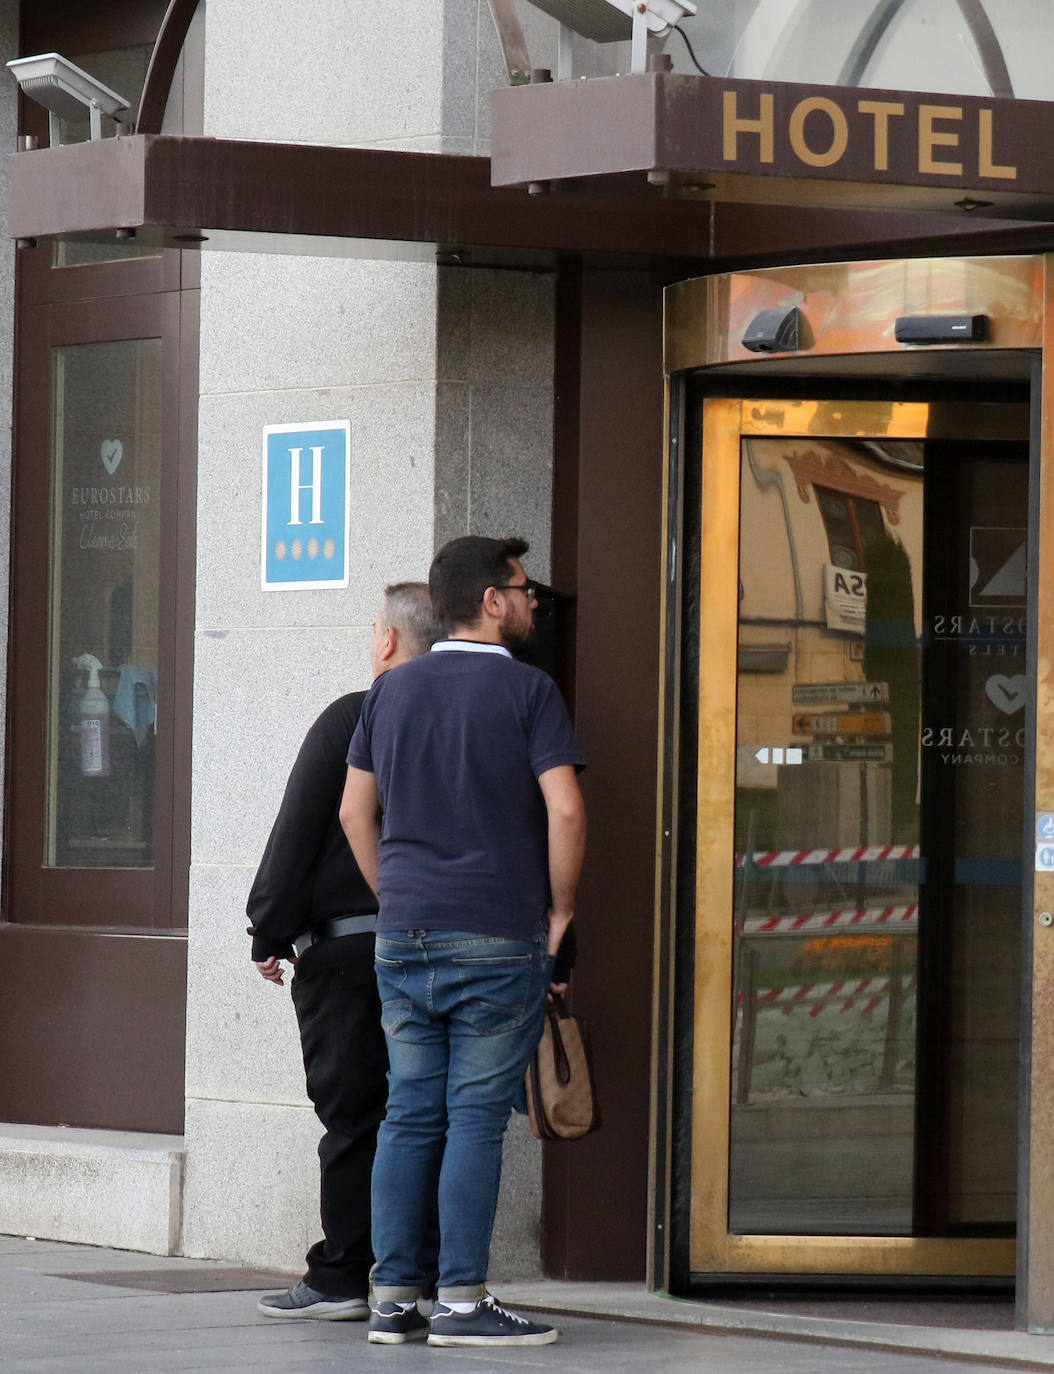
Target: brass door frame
714	1250
1035	1286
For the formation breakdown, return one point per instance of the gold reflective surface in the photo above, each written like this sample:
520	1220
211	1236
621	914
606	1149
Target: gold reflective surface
1036	1291
850	309
816	1129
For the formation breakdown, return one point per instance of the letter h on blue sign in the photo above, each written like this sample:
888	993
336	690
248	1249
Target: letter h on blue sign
306	471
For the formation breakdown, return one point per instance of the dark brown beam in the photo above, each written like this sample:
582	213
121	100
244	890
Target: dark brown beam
167	188
281	197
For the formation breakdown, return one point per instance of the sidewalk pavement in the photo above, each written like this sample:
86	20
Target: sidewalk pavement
73	1309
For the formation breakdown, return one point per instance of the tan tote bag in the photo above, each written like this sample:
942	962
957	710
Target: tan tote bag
561	1099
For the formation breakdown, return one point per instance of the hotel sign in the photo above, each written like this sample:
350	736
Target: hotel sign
782	142
914	137
306	475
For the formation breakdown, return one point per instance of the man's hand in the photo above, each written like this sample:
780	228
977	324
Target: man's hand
272	970
556	990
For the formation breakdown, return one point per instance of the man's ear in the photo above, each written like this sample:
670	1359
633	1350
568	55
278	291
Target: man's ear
391	643
492	603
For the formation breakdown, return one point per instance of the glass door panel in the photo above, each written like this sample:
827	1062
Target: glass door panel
868	902
103	688
827	824
972	787
94	619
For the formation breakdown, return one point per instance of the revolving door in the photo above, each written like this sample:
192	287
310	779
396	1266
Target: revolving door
854	601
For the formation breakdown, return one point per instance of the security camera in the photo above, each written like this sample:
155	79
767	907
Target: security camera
611	21
66	91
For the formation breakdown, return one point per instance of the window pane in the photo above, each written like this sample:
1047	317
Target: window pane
869	521
841	536
103	690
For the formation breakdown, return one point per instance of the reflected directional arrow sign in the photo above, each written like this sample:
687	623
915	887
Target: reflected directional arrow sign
835	693
792	754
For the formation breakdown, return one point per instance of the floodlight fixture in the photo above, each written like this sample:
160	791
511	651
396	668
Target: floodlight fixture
613	21
66	91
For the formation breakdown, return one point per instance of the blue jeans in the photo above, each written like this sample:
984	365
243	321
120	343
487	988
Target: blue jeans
462	1014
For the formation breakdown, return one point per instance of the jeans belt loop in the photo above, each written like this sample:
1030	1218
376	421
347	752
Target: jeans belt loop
332	930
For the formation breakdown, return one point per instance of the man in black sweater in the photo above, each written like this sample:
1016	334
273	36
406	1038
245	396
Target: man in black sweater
310	905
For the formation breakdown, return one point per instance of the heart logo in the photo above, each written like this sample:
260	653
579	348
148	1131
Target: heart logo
1006	693
111	451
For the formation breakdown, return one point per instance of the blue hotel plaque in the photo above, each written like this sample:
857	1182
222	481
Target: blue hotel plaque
306	470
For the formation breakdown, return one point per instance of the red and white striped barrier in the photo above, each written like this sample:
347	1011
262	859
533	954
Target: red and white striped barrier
818	996
792	858
868	918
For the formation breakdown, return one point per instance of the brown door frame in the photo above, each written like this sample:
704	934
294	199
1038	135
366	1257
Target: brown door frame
96	1010
139	899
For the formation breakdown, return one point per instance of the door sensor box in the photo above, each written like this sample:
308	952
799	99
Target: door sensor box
938	329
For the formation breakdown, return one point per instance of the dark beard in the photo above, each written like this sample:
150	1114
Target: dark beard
516	640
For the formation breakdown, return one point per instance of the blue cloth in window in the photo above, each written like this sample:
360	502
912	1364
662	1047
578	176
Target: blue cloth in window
135	700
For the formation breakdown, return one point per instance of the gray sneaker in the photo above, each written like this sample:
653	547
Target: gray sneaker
392	1324
302	1301
487	1324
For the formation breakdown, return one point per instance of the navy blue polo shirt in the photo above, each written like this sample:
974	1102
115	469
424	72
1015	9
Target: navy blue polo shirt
457	740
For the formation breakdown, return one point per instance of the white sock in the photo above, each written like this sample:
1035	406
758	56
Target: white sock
461	1306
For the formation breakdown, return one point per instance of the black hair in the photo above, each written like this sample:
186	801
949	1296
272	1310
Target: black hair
462	571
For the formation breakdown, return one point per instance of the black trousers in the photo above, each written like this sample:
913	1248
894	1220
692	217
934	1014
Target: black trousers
335	996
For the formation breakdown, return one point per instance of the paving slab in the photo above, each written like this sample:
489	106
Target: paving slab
982	1329
71	1309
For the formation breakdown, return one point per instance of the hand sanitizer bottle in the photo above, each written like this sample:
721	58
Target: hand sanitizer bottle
94	722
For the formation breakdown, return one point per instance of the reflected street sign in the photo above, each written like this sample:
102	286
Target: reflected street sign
842	723
848	753
834	693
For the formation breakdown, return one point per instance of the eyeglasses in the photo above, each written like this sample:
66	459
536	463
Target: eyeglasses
529	590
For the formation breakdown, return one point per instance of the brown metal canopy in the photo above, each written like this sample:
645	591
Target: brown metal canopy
301	198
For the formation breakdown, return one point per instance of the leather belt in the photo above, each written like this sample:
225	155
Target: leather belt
331	930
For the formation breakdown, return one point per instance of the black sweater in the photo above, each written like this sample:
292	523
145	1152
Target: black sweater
307	874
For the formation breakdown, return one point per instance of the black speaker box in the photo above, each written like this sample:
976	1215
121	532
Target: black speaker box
933	329
774	331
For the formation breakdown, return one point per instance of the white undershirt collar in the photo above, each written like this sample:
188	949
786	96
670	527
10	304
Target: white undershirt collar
472	646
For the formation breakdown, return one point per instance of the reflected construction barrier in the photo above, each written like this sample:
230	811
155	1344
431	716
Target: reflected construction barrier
862	935
792	858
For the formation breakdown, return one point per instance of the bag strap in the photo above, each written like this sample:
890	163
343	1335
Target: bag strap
557	1012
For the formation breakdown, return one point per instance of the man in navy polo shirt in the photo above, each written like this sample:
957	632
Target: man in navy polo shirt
463	810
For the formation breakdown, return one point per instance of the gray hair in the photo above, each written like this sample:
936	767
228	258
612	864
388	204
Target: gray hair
408	608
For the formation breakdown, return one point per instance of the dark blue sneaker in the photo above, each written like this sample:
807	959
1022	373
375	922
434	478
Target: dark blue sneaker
303	1301
392	1324
487	1324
